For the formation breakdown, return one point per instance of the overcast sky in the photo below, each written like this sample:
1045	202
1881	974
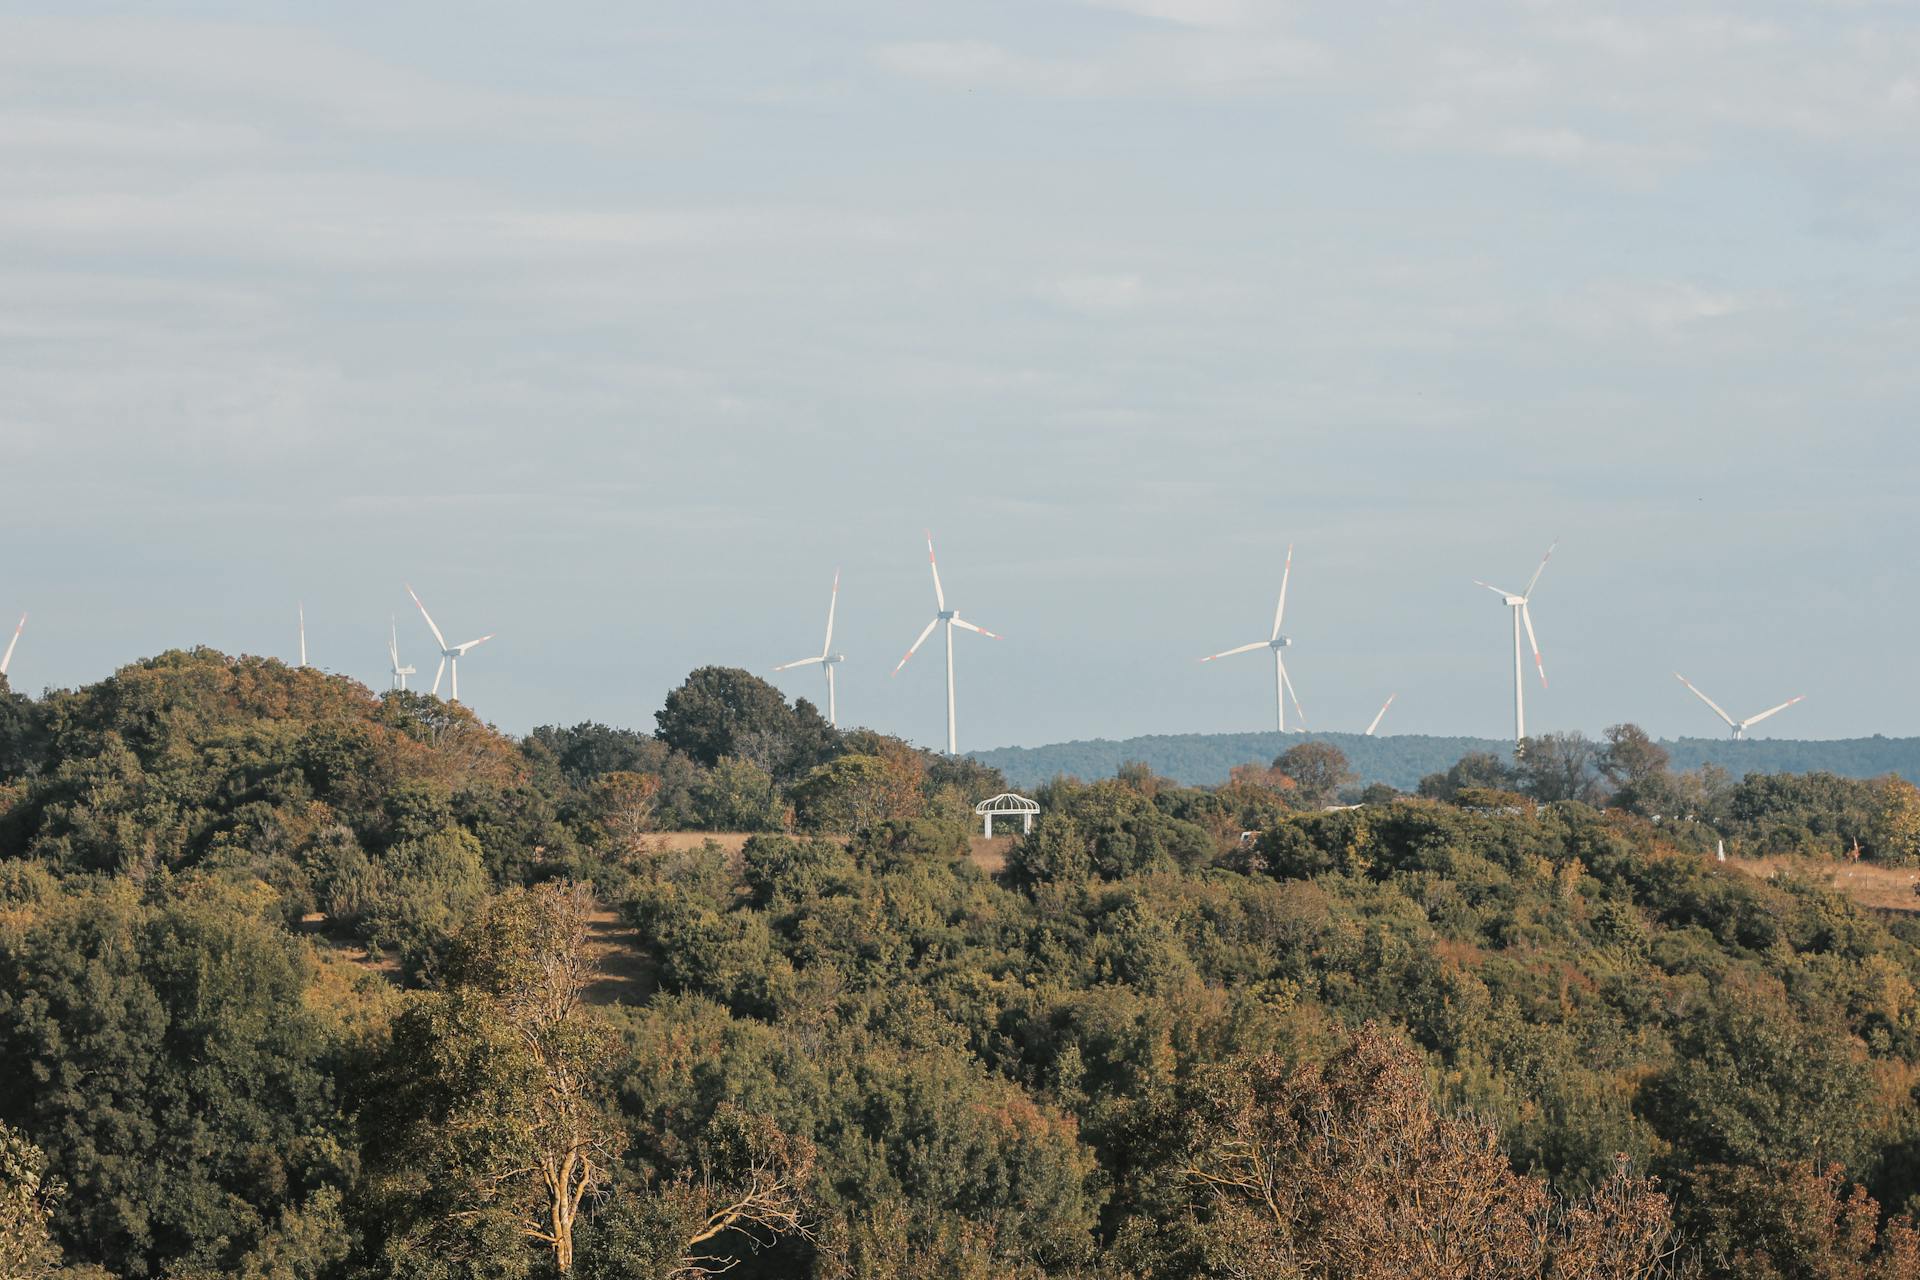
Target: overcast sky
615	328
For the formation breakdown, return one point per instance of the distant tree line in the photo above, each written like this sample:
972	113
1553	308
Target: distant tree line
1401	760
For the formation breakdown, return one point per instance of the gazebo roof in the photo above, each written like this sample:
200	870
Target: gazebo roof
1007	802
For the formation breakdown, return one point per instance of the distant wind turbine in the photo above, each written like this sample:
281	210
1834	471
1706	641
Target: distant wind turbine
952	619
1381	714
1739	727
7	658
1282	685
1521	617
400	673
828	658
450	655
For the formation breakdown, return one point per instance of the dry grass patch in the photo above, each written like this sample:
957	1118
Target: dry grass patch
1869	884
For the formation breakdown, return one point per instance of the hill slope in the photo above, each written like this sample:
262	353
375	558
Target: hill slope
1400	760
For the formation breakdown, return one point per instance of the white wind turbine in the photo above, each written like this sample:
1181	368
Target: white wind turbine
399	672
7	657
1518	603
1278	643
450	655
952	619
1739	727
1381	715
828	658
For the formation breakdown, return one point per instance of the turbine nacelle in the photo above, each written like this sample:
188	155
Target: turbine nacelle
1280	642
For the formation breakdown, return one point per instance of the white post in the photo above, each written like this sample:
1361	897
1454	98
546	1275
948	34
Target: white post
1026	824
989	817
1519	685
953	748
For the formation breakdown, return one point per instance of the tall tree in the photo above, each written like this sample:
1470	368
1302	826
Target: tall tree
1348	1169
489	1122
1319	769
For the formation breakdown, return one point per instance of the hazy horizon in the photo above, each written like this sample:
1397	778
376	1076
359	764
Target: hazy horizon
615	337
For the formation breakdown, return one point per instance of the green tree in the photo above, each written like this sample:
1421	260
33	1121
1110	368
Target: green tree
1319	769
166	1059
721	712
27	1197
1561	766
737	795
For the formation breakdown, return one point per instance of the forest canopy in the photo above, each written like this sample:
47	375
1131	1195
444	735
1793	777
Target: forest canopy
299	981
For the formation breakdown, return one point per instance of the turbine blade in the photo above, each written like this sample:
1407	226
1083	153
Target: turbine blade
804	662
1542	569
393	640
1753	720
1245	648
1287	680
833	602
1280	610
1539	665
439	671
1381	714
7	659
1731	722
460	649
1489	586
917	643
959	621
430	625
939	596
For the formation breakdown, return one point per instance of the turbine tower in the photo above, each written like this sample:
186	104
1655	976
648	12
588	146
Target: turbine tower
828	658
1381	714
952	619
450	655
1739	727
1522	618
303	631
7	658
1282	685
400	673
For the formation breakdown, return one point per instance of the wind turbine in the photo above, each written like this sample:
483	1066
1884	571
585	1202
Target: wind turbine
952	619
450	655
7	657
1381	715
828	658
400	673
1518	603
1278	643
1739	727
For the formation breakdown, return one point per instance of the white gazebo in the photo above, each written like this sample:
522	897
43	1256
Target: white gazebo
1005	805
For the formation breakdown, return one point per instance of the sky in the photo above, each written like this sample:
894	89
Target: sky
616	328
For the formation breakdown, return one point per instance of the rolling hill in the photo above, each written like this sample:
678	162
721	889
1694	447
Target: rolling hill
1205	759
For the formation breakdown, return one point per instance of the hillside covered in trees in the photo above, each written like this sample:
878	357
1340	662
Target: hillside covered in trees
1401	760
297	981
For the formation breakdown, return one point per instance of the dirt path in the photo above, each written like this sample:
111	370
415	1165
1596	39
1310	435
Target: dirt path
624	975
